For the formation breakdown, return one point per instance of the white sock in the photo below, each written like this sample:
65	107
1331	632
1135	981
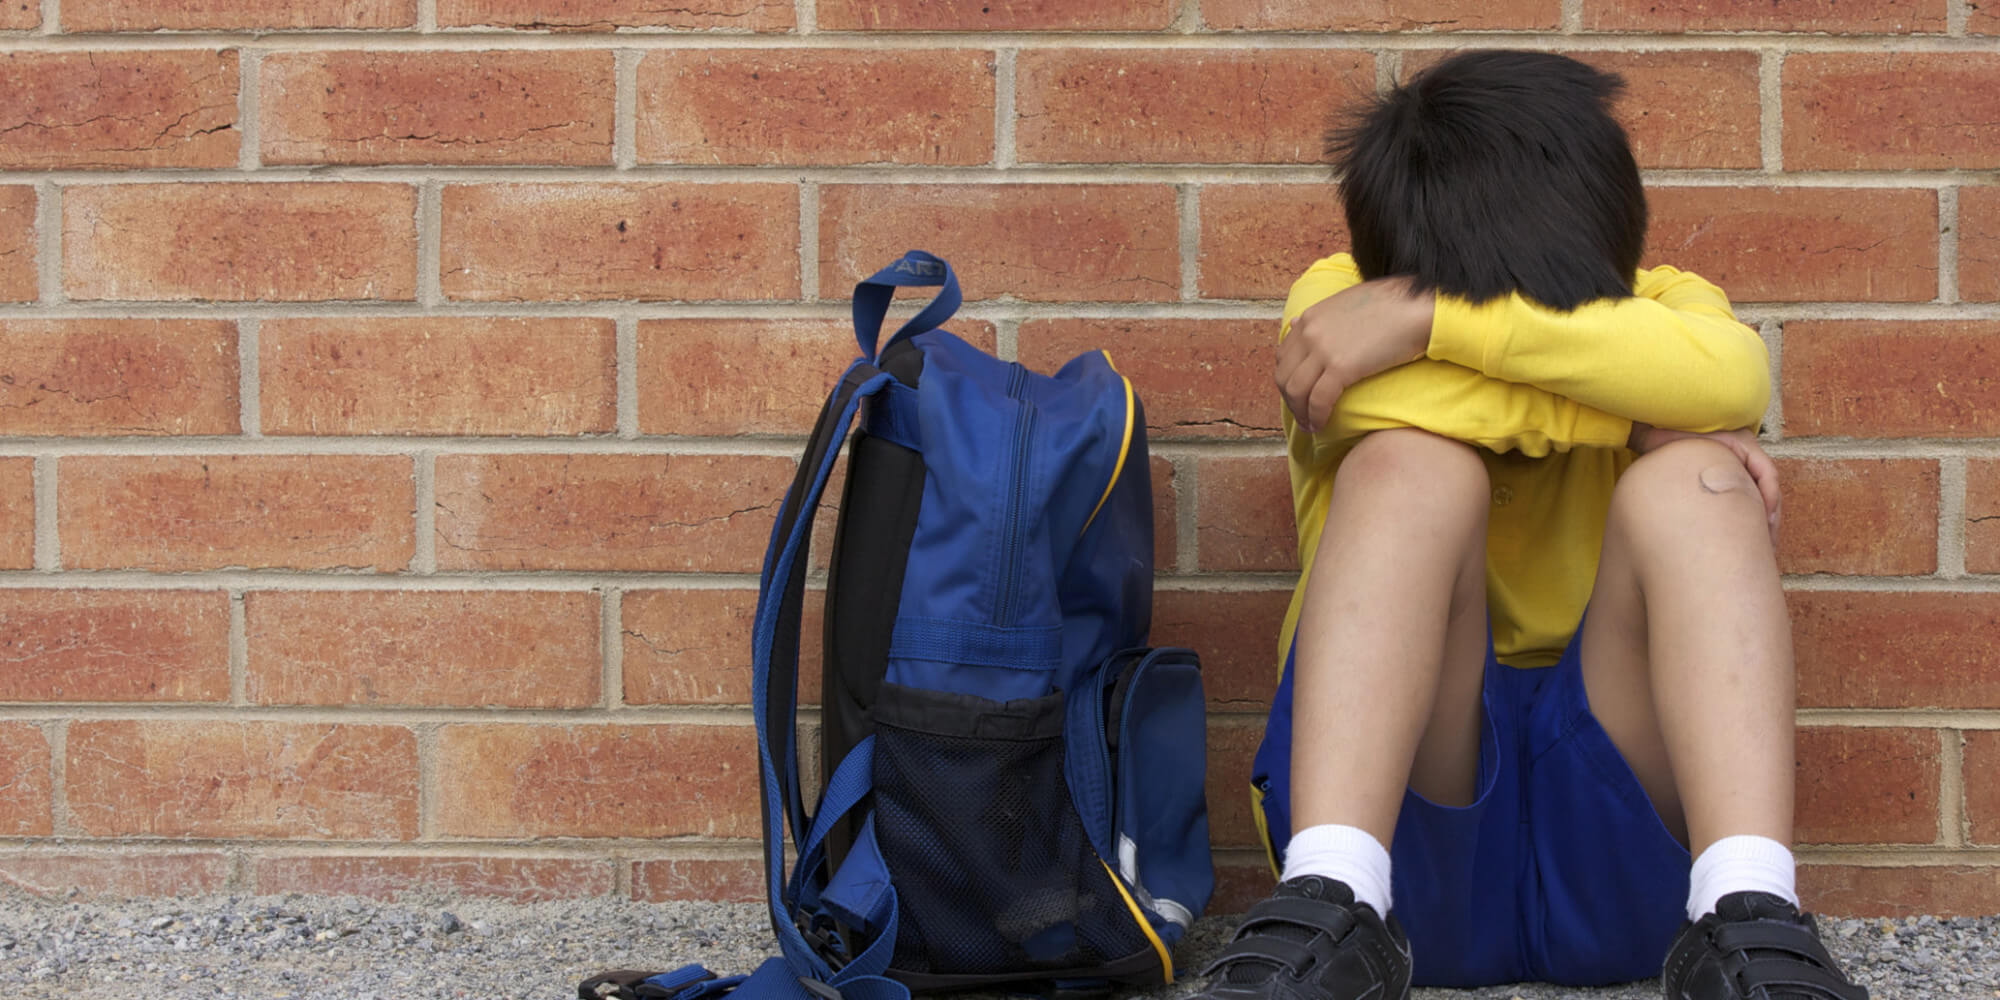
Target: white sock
1347	853
1741	864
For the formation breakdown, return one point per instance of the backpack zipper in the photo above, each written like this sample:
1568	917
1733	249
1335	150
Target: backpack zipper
1017	495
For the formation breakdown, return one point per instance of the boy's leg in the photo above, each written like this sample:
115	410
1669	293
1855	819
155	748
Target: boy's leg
1388	660
1686	661
1392	637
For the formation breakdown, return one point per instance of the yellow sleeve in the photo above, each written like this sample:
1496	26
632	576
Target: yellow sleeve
1450	400
1673	355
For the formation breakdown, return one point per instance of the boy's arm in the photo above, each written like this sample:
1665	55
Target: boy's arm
1446	399
1673	355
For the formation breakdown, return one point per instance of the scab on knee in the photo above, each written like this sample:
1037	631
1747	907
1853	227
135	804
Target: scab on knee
1728	477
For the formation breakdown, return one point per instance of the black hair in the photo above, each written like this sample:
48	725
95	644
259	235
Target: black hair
1495	172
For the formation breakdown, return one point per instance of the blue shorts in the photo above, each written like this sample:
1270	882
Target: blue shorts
1560	870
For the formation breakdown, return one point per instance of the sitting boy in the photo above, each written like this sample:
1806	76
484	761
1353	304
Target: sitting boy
1523	423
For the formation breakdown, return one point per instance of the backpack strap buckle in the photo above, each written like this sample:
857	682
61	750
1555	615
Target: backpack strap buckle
819	989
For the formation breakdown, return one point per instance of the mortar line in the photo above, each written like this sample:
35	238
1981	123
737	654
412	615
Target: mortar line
430	241
1188	202
1187	20
249	97
1006	66
806	13
48	242
1954	827
239	648
1006	340
1771	109
423	560
1773	333
51	17
1951	517
625	102
428	736
611	648
61	822
627	372
427	19
1187	514
250	377
1572	17
1388	69
48	537
1948	231
808	241
1956	15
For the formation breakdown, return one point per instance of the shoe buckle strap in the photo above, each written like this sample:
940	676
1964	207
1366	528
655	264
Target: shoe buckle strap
1789	938
1767	973
1313	914
1289	955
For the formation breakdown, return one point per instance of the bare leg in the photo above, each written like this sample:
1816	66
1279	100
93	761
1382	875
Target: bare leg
1687	653
1392	636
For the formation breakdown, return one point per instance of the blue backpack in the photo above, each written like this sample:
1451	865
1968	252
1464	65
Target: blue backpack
1015	782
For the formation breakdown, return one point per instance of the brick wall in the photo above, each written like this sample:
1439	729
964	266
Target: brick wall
394	395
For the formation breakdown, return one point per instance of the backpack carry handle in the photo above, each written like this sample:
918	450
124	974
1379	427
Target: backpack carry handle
915	269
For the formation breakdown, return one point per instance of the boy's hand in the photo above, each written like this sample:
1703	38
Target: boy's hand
1338	341
1743	444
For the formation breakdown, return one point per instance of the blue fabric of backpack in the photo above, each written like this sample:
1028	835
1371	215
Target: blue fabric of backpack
1014	794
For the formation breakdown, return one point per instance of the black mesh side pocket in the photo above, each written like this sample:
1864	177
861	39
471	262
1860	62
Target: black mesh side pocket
994	874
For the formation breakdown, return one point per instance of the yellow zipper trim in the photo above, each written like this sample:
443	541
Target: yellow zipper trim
1146	926
1124	447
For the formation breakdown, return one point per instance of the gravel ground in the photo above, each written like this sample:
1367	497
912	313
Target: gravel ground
319	948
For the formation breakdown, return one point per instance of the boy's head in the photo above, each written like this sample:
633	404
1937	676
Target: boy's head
1495	172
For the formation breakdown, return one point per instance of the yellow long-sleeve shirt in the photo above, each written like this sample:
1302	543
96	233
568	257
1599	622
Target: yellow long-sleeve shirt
1550	399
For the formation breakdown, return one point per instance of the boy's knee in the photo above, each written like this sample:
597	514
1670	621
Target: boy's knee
1683	480
1406	458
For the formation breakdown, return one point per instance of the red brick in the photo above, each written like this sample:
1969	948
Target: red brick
1232	745
1901	890
439	375
1800	244
995	15
514	879
606	15
20	15
17	513
181	513
18	278
1854	110
1867	786
1257	238
551	107
1982	792
69	110
598	781
514	242
648	513
288	242
1983	17
1381	15
1041	242
692	647
1196	378
756	376
1244	515
1861	649
1181	105
1236	633
1982	516
816	106
1880	379
1166	515
121	876
476	649
114	645
26	781
118	377
1829	16
1864	517
699	879
183	15
1979	244
248	780
1242	878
